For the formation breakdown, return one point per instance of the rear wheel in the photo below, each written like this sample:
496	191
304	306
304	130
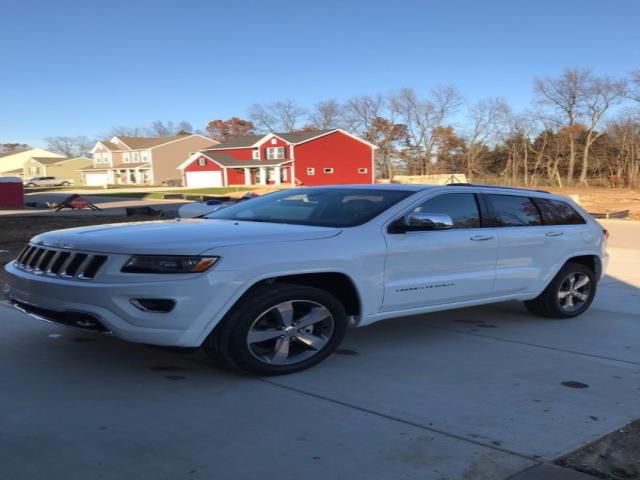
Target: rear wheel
30	185
568	295
65	184
278	329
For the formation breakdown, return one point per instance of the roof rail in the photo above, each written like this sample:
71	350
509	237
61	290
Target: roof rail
495	186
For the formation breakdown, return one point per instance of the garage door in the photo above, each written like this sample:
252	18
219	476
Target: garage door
204	179
96	179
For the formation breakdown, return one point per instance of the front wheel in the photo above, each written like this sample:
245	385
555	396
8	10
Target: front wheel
65	184
30	185
569	294
279	329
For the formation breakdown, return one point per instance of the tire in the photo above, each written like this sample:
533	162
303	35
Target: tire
271	316
30	185
554	301
65	184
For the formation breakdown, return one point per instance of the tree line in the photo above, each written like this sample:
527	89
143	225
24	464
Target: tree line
580	128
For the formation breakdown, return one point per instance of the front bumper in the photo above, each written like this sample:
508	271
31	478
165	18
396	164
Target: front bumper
107	307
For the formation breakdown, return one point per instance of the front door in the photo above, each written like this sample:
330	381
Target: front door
441	266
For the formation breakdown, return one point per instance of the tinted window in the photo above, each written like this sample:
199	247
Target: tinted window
326	207
461	207
513	211
556	212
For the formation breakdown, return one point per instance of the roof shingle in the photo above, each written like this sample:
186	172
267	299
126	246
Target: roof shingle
291	137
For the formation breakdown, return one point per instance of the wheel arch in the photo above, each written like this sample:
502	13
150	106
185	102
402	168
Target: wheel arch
339	284
591	261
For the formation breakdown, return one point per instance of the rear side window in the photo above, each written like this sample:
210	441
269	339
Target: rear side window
512	211
461	207
557	212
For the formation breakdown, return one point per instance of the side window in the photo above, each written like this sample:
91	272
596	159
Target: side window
513	211
461	207
556	212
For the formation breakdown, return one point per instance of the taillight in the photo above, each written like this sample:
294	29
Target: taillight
605	233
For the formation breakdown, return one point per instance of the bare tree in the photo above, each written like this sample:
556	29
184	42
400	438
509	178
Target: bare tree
122	131
168	129
487	122
600	95
279	116
13	147
566	94
360	113
369	117
634	91
326	114
70	146
423	118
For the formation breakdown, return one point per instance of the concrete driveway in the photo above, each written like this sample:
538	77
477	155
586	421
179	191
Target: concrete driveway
480	393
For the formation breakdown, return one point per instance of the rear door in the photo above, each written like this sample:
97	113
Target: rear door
529	250
435	267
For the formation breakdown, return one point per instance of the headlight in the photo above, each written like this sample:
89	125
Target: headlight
168	264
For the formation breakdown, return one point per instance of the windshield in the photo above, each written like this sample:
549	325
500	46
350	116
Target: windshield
322	207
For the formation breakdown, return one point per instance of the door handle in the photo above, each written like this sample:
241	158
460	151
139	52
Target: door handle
554	234
480	238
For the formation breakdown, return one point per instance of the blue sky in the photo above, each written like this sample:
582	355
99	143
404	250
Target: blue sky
79	67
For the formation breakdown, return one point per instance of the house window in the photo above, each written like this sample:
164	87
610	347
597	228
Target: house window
311	171
127	158
363	170
202	161
255	154
275	153
328	170
34	171
273	141
136	157
145	156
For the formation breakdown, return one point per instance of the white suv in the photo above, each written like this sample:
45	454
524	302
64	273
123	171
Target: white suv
48	182
270	285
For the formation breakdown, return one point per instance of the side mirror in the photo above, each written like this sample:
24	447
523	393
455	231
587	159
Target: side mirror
416	221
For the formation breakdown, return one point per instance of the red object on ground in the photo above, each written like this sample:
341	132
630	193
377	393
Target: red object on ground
79	202
11	192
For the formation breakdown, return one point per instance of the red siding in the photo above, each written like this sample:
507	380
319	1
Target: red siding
338	151
210	166
235	177
195	167
277	142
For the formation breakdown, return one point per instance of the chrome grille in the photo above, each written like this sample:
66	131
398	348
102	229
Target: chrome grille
59	263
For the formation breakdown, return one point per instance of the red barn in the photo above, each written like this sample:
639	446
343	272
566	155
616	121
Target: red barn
313	157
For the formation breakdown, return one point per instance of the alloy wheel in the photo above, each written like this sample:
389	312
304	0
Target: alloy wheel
574	291
290	332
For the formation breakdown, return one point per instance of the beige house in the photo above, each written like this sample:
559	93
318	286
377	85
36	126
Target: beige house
12	163
141	160
68	168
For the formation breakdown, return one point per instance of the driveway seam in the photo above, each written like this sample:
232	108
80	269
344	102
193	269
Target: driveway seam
545	347
536	460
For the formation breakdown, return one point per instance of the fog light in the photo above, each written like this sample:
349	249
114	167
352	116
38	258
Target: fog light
156	305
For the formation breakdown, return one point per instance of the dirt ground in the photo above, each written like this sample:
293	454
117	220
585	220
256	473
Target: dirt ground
614	457
604	200
16	231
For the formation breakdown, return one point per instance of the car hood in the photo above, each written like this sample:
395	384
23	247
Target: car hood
177	237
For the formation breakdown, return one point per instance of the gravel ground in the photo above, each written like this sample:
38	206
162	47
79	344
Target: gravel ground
614	457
